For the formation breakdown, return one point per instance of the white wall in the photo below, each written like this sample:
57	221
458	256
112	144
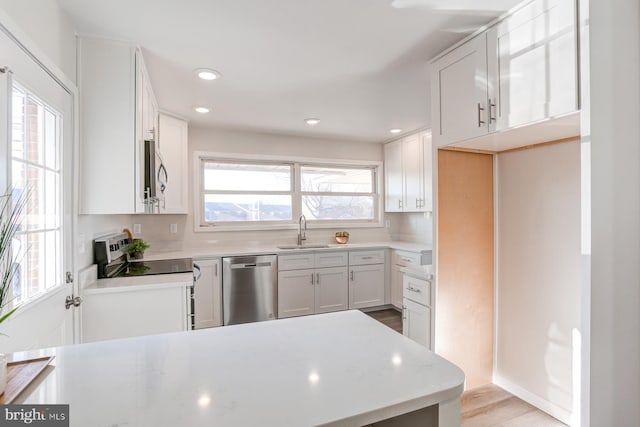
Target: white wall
615	201
155	228
48	27
538	274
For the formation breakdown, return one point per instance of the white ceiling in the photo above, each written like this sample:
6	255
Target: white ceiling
358	65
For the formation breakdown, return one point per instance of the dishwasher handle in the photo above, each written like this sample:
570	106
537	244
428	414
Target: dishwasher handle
251	265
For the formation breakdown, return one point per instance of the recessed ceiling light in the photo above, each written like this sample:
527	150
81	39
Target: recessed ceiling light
396	130
208	74
312	122
202	110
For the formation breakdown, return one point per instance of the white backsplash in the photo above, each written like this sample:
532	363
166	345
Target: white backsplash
411	227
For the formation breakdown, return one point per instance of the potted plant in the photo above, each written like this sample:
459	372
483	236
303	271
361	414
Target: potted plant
11	207
137	247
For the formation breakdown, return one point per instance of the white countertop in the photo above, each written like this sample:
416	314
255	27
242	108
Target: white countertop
339	368
135	283
215	251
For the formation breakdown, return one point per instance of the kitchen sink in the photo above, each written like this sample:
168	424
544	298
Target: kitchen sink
303	246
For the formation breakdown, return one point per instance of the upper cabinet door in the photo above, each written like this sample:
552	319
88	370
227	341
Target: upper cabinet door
393	177
459	93
172	165
412	164
533	63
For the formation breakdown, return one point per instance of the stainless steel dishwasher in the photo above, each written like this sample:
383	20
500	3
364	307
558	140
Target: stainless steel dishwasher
249	289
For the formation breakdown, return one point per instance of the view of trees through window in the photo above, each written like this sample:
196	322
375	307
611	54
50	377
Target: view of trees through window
236	192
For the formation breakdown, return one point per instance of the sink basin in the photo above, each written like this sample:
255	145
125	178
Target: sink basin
302	246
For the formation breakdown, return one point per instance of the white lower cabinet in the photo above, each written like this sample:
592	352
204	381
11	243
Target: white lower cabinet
131	313
331	291
366	285
207	295
416	308
296	293
396	286
416	322
304	291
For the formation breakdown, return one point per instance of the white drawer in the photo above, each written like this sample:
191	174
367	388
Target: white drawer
296	262
407	259
331	259
366	257
418	290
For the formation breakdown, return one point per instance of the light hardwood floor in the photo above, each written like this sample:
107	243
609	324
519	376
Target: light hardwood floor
489	405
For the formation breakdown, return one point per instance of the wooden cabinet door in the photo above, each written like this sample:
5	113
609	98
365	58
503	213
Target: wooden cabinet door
173	153
296	293
208	295
366	286
459	93
533	63
412	165
416	323
393	177
331	289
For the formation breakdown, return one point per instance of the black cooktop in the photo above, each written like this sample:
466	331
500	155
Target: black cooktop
165	266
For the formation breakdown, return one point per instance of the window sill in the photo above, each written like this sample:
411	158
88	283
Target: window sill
289	226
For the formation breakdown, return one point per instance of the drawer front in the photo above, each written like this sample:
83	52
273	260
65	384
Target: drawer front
366	257
406	259
331	259
296	262
418	290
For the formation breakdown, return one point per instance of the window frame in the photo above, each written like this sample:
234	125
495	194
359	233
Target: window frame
46	289
200	157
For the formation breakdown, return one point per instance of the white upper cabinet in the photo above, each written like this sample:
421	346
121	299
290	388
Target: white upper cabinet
408	174
172	165
118	111
521	71
393	178
535	63
459	93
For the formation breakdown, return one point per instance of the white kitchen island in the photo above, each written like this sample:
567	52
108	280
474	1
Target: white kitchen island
339	369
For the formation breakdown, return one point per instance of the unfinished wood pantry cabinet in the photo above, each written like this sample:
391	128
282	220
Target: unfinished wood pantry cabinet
465	259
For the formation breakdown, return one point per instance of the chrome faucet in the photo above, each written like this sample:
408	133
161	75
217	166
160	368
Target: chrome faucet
302	232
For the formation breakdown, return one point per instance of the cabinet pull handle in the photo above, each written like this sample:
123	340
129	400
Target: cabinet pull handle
404	310
405	259
480	121
492	111
367	257
312	282
399	204
412	289
317	278
351	275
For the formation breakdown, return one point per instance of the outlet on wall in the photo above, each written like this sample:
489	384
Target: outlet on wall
137	229
173	228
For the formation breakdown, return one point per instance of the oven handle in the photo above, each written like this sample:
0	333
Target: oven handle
196	272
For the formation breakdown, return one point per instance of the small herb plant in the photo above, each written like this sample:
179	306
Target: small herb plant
137	248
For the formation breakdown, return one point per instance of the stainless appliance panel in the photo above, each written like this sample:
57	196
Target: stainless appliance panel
249	289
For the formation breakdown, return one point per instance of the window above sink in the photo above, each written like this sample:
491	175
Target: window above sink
244	193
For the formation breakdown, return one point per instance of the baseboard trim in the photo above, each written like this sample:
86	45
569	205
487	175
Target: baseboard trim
544	405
